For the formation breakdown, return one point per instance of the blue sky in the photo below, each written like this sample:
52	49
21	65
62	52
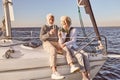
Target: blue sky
33	12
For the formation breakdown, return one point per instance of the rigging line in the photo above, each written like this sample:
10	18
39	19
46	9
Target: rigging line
81	22
83	28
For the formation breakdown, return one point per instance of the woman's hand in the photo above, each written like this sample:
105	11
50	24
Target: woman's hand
59	34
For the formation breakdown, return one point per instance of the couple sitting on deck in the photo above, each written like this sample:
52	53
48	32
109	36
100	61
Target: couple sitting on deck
63	40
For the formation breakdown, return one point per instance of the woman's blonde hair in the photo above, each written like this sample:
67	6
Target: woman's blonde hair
66	19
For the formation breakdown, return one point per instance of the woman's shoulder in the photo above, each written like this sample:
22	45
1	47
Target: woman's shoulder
73	29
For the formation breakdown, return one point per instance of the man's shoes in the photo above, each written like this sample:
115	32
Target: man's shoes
57	75
74	69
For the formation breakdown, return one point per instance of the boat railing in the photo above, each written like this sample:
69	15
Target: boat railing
83	42
93	44
92	41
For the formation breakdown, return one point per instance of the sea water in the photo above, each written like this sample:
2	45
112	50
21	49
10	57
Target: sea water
109	71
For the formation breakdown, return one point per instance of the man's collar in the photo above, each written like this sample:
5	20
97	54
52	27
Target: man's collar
49	24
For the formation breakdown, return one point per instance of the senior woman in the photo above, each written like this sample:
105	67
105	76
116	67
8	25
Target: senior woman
67	37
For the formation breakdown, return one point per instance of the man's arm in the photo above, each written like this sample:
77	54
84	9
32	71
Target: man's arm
44	33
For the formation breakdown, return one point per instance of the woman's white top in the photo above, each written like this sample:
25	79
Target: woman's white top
73	38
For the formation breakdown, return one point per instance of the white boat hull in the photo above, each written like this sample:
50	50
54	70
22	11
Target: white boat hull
33	63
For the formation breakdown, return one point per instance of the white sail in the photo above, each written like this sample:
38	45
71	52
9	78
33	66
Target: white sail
85	4
9	16
81	2
11	10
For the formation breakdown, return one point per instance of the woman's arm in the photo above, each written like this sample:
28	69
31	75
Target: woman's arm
73	37
60	40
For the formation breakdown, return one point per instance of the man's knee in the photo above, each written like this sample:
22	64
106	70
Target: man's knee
52	51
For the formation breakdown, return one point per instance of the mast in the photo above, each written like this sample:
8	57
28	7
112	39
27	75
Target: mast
7	16
88	9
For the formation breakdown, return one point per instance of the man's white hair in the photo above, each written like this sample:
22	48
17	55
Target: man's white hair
48	15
